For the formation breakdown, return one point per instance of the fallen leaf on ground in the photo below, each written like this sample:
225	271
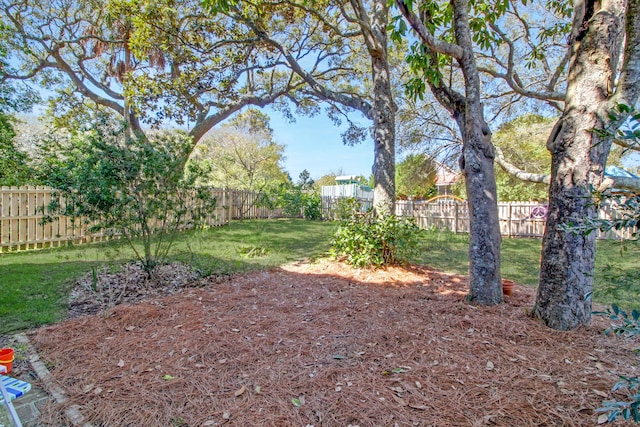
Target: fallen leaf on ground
600	393
399	400
420	407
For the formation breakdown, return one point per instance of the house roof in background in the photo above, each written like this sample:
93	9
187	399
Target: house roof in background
614	171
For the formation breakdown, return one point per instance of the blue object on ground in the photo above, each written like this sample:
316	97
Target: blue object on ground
14	387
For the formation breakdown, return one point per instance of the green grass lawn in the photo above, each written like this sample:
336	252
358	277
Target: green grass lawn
617	275
34	285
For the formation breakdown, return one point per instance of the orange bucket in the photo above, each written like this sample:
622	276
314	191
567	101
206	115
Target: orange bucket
6	358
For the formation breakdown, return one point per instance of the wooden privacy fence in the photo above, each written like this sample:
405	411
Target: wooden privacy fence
517	219
27	223
246	205
23	211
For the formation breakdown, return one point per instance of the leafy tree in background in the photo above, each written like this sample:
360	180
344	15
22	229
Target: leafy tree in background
15	96
328	179
525	175
305	181
13	163
240	155
415	177
133	188
523	142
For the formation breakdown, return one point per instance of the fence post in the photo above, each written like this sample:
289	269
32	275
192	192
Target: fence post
455	220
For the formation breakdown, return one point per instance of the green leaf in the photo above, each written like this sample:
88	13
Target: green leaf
167	377
296	402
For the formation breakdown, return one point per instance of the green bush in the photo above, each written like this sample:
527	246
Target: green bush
127	186
365	240
346	208
295	202
311	206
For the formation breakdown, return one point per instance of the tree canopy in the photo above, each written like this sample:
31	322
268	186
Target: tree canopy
415	177
13	162
523	142
146	62
240	155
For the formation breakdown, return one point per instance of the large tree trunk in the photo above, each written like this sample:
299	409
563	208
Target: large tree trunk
578	157
384	167
478	153
384	110
477	165
484	234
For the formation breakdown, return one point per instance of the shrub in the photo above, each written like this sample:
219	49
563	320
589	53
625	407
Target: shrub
131	187
311	206
295	202
365	240
346	208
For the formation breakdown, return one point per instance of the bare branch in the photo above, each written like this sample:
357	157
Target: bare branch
519	173
622	182
511	75
627	144
318	89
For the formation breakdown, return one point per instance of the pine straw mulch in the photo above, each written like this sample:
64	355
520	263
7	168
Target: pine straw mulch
322	344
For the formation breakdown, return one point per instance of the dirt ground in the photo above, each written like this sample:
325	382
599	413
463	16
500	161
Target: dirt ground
322	344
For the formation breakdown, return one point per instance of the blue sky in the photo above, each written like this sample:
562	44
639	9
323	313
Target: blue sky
315	144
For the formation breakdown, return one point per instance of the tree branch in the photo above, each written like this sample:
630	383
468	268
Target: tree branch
63	66
519	173
206	123
318	89
622	182
425	36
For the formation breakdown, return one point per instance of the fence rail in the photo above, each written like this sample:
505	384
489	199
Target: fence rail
517	219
